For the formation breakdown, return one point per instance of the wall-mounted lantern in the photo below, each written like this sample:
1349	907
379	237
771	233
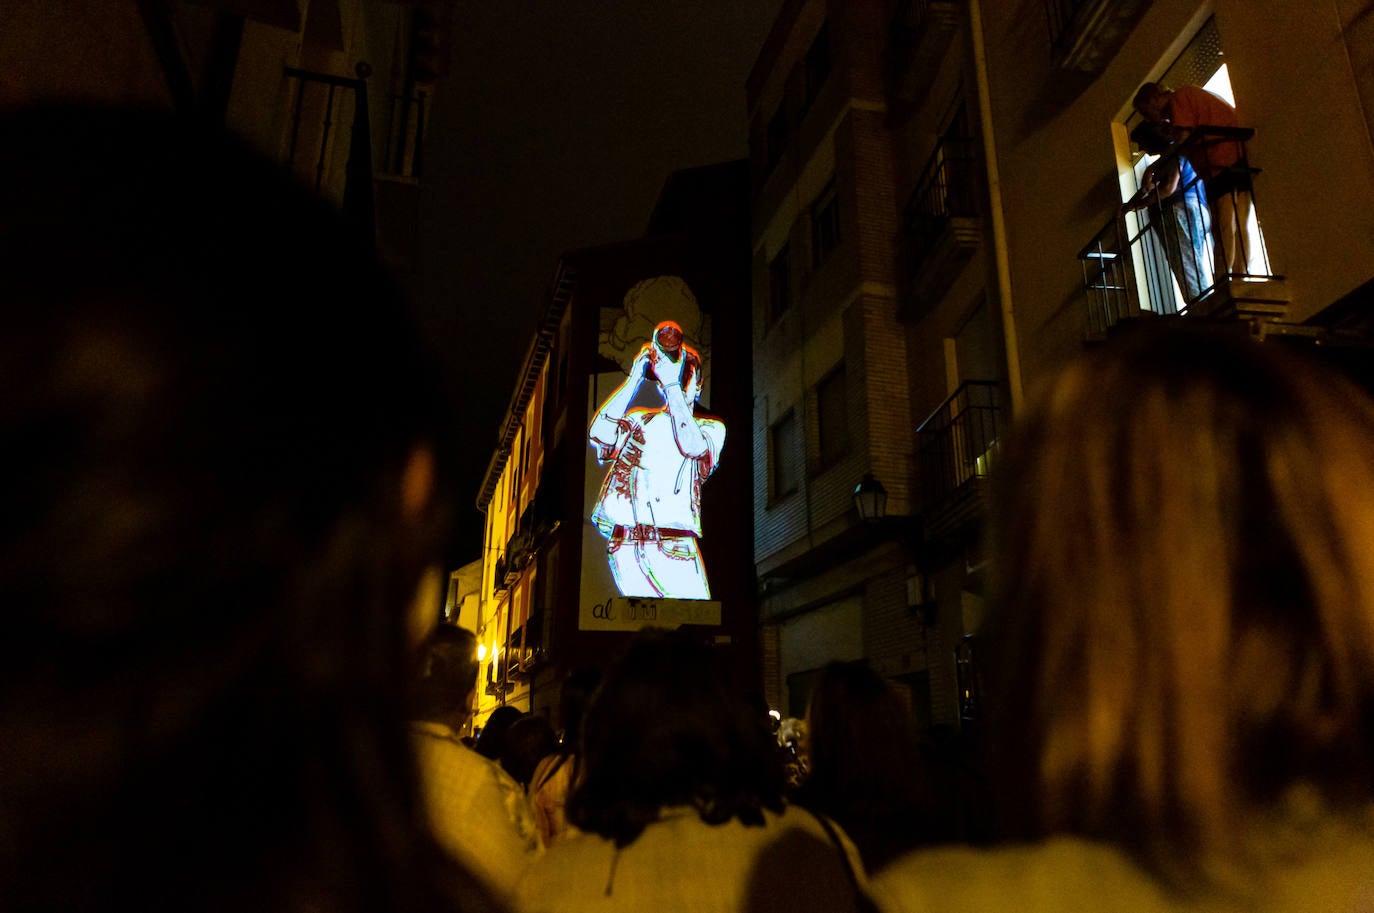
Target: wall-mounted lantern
870	499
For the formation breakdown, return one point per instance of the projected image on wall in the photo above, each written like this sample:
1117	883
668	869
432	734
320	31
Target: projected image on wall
657	458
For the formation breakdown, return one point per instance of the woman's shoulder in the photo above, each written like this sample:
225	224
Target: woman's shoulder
1327	869
1062	874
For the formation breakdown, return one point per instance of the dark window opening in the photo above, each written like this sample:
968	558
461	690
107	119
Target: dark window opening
832	417
783	452
779	285
825	224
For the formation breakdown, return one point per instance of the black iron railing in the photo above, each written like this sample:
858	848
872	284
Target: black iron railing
958	443
1106	278
323	103
912	16
1195	232
920	31
945	190
1059	15
405	135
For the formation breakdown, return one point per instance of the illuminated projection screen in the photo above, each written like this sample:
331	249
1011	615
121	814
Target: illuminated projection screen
650	449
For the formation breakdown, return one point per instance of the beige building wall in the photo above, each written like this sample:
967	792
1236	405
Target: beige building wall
1301	77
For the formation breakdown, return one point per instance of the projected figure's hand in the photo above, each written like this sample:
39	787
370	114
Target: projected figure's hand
667	369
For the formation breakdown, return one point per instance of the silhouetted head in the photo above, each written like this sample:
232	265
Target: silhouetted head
1153	137
529	740
1152	101
492	741
667	728
865	765
1185	599
218	417
448	670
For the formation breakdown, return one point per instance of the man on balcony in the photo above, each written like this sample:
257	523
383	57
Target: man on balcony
650	504
1239	249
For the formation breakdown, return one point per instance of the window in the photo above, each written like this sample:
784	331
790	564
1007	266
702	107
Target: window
817	64
779	285
832	417
777	135
825	224
782	445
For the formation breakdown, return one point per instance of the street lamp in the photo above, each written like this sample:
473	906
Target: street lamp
870	499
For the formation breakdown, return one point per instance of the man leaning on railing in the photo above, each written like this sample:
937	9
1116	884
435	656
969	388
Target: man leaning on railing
1192	113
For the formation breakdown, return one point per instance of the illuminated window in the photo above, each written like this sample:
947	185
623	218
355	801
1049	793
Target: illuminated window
832	417
783	443
825	224
779	285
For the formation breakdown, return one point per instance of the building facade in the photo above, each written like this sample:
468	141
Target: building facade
938	221
338	91
831	373
550	602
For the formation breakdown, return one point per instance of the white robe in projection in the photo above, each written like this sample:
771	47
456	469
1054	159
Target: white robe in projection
650	504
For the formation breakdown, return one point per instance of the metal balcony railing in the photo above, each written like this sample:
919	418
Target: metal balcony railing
1085	35
1177	252
320	100
945	190
913	16
958	443
1060	14
920	32
405	135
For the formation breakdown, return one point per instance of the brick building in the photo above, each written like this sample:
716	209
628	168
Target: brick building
831	373
937	221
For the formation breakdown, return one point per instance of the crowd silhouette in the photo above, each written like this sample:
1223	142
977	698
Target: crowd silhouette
227	484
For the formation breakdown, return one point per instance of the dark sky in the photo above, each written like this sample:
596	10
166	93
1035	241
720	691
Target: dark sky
555	130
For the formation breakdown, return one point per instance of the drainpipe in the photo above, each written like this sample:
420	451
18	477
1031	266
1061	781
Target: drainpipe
999	224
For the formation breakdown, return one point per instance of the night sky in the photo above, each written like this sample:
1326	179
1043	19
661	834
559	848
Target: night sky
556	130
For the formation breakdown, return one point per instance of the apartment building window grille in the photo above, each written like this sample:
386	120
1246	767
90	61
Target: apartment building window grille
832	418
779	285
783	440
825	224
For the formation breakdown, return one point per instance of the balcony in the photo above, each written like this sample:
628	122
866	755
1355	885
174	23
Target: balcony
958	445
1086	34
1170	257
920	34
941	226
525	648
322	107
500	580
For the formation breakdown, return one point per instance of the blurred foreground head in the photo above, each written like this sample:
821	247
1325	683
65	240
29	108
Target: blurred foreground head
217	416
865	764
1185	548
667	728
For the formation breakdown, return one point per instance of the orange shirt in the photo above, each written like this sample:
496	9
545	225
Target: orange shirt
1191	106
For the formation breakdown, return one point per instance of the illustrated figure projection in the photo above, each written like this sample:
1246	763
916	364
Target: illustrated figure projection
649	508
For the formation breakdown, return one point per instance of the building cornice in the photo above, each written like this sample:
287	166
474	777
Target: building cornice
564	281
